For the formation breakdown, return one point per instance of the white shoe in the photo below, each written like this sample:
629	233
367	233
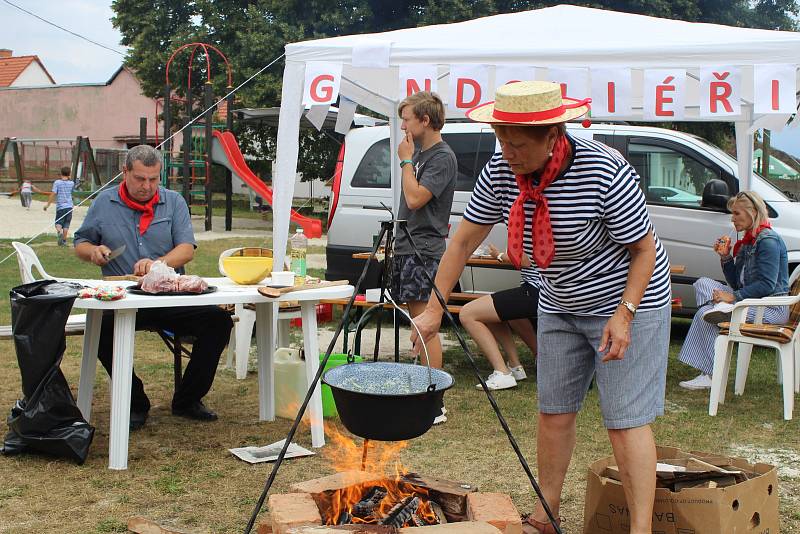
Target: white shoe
498	380
518	372
441	418
700	382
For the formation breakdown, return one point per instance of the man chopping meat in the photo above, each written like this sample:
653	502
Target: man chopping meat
153	224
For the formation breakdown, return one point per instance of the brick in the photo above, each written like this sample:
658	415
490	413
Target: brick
141	525
264	526
464	527
496	509
336	481
292	510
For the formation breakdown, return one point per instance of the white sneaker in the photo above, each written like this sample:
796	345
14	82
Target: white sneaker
720	313
518	372
441	418
498	380
700	382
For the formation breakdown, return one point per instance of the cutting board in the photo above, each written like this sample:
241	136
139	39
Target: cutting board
275	292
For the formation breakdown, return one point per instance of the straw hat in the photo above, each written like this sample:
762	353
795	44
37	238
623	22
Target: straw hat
529	103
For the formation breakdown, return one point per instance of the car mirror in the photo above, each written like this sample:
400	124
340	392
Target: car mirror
716	195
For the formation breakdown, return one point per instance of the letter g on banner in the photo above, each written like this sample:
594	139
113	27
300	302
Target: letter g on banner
322	83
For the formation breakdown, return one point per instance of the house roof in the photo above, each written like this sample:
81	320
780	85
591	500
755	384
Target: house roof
12	67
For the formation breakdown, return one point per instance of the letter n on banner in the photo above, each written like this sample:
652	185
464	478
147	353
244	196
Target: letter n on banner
664	94
720	91
469	86
775	87
611	92
322	83
415	78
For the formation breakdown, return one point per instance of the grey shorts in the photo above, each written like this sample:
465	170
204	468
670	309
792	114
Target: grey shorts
631	390
409	282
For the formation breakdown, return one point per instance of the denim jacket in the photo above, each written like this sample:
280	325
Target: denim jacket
765	264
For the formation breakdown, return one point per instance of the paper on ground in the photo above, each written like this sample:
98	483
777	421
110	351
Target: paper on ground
269	453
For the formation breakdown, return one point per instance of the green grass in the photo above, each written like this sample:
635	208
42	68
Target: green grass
180	472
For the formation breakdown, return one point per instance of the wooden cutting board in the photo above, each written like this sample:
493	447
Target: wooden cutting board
275	292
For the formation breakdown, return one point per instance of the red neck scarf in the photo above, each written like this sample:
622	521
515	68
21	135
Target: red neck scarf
750	237
543	246
148	208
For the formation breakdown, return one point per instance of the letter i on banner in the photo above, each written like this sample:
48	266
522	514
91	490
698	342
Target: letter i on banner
574	82
416	78
469	87
664	94
775	87
611	92
322	83
720	91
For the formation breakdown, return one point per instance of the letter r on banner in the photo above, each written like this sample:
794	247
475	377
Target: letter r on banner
415	78
720	91
774	88
322	83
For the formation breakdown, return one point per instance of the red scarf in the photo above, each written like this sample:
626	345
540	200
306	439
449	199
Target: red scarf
148	208
543	247
750	237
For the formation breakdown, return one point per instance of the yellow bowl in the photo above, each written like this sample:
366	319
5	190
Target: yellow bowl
246	269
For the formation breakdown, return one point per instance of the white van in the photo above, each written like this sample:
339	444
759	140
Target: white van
686	181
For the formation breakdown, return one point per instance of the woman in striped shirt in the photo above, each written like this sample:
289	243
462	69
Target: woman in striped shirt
579	215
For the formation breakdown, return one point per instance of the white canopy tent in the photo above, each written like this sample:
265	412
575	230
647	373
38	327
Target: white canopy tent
557	37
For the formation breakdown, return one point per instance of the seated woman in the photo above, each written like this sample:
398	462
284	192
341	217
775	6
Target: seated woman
758	268
491	318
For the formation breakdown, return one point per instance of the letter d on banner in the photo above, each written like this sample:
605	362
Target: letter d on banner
322	83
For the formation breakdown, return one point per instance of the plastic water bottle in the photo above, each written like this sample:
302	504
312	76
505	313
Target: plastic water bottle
299	247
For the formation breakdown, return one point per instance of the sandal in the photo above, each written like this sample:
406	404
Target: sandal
534	526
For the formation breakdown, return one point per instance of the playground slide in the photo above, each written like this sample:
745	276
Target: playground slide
225	151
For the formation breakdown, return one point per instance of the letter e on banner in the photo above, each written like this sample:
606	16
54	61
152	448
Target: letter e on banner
611	92
720	92
469	86
322	83
416	78
664	94
774	88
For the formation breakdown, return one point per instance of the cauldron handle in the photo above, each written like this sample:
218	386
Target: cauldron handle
431	385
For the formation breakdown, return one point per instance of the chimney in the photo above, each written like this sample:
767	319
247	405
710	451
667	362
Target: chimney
5	53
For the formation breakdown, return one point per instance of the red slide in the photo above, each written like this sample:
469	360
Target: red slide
225	151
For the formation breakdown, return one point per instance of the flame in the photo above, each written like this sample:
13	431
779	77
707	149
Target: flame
379	458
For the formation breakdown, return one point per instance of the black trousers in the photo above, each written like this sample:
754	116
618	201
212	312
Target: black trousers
211	328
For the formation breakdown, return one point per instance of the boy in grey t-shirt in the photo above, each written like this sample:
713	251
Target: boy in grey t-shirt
429	181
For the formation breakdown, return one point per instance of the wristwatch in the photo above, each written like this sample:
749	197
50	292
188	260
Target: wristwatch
629	305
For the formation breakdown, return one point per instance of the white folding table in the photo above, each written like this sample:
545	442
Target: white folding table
227	293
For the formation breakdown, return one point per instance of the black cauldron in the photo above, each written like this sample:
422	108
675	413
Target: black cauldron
387	401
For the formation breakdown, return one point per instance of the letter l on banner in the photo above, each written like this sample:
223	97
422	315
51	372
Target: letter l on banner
611	92
322	83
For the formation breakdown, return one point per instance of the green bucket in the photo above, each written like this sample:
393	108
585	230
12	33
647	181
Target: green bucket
328	404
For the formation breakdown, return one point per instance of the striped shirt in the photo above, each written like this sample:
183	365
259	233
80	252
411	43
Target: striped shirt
63	190
596	208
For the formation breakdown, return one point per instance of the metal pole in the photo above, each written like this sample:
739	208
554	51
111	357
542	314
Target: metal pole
142	130
209	118
187	149
17	166
167	149
228	174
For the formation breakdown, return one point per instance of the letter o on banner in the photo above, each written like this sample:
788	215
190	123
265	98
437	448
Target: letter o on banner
322	83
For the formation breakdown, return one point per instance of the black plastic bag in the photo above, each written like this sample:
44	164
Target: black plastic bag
46	419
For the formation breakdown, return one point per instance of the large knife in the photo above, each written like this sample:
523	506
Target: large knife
116	252
275	292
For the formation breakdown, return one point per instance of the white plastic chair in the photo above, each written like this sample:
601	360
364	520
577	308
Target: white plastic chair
242	333
788	353
27	260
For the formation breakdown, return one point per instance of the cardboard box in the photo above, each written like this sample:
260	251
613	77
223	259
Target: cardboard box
747	507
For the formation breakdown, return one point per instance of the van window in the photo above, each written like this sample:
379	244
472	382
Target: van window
374	170
472	150
669	176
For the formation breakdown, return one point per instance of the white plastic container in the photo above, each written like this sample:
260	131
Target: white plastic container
290	382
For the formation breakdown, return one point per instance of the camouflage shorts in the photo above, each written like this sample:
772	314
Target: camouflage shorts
409	282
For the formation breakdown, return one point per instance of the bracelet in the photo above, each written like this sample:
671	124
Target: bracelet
406	161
